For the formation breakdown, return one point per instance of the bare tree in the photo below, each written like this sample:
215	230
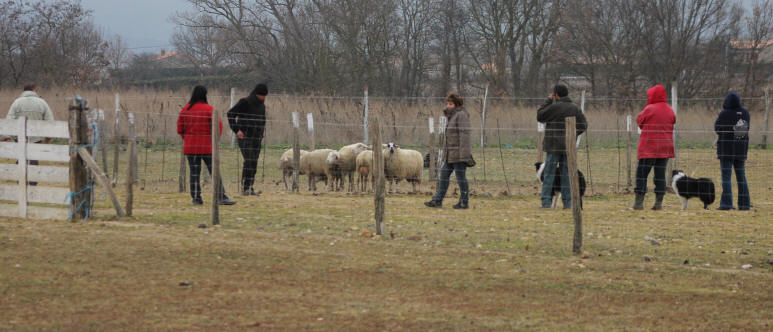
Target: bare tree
759	31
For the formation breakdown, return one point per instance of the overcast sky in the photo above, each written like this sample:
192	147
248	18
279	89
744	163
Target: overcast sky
144	24
141	23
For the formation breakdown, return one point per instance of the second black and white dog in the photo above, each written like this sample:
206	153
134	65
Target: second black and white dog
686	187
556	192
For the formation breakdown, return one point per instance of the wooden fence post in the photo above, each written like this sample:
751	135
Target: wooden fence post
22	163
378	169
132	133
116	138
102	143
540	140
130	170
766	125
297	152
432	154
587	144
216	194
79	203
483	133
628	143
181	174
442	140
99	176
574	182
233	135
365	118
502	157
675	105
310	125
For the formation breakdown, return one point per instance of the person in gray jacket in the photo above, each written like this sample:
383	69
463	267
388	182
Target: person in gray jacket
552	113
31	106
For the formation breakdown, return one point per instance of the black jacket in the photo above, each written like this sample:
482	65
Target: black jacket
249	116
732	128
552	114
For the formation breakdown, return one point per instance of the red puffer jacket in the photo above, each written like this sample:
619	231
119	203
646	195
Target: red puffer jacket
195	126
657	126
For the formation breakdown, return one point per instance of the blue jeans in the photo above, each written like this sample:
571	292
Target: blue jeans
551	161
643	171
461	177
726	202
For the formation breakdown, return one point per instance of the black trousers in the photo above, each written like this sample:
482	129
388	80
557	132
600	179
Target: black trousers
643	171
194	162
250	148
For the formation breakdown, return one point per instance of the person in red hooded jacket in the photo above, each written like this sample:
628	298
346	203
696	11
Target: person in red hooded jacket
195	126
656	145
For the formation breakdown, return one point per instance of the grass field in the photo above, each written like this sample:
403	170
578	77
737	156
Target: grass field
286	261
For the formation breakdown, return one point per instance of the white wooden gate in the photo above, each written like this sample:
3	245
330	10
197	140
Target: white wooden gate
14	157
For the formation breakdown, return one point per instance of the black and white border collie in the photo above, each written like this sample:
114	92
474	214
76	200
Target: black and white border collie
686	187
556	193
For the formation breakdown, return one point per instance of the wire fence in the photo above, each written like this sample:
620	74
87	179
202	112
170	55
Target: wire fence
506	159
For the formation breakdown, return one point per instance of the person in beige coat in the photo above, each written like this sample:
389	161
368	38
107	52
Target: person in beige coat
31	106
457	151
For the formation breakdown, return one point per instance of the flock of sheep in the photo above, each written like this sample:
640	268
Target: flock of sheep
334	166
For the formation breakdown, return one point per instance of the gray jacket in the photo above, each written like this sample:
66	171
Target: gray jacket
31	106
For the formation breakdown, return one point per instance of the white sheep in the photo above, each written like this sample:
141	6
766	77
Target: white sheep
314	164
286	165
403	164
346	159
334	169
364	164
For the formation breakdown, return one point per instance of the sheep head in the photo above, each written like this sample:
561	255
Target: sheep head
391	147
332	158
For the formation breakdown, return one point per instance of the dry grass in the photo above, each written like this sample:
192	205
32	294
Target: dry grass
288	262
291	262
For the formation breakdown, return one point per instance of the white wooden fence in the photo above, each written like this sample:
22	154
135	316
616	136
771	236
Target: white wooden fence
17	169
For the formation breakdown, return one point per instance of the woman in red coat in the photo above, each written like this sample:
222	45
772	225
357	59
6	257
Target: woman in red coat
195	126
656	145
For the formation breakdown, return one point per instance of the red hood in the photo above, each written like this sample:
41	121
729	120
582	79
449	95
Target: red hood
656	94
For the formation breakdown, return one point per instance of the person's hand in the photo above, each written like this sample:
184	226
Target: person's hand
240	134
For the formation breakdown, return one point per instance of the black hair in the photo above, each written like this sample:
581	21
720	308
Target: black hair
199	95
29	87
561	90
261	89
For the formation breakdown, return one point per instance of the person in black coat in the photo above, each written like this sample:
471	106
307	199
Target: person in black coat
248	121
732	128
552	113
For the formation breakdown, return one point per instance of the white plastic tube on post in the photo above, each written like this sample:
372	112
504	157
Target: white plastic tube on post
582	109
233	135
365	118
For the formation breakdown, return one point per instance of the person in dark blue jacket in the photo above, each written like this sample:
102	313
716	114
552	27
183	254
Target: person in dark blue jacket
732	128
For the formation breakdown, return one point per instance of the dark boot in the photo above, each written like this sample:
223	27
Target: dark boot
658	202
226	201
639	203
434	204
461	206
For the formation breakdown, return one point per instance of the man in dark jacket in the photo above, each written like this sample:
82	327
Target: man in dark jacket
732	128
248	121
552	113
